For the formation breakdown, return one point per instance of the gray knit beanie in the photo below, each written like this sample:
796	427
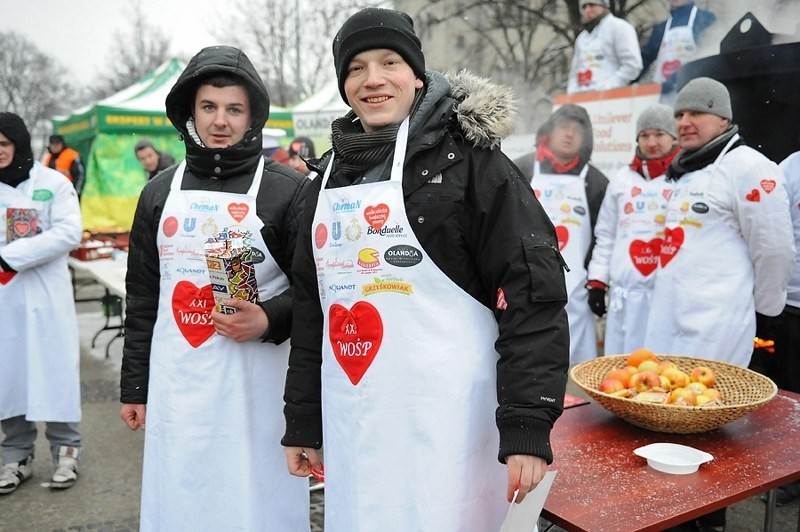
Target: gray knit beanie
704	95
596	2
657	116
373	28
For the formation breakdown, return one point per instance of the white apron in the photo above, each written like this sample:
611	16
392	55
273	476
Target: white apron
213	458
677	47
408	406
593	67
700	305
637	246
563	197
39	343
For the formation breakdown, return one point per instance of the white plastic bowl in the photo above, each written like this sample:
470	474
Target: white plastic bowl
673	458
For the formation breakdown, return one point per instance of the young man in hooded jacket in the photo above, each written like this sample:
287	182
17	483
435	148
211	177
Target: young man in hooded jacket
571	191
429	289
207	385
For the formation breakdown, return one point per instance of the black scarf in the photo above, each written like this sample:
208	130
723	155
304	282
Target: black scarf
689	161
241	158
13	127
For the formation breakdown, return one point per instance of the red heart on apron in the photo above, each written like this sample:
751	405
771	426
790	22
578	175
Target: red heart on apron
238	211
562	233
754	195
768	185
673	240
22	228
5	277
191	308
355	336
376	215
668	68
645	255
584	78
635	191
667	193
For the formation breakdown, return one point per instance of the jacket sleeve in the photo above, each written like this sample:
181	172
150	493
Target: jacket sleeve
57	240
515	249
605	232
762	209
142	286
303	390
78	172
626	50
279	308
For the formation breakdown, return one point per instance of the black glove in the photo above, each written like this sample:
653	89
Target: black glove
767	326
597	297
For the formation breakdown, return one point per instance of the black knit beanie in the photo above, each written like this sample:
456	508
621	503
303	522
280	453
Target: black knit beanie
374	28
13	127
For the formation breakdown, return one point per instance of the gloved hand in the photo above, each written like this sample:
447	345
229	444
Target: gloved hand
597	297
767	326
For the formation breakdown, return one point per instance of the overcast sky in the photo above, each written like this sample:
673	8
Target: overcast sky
80	33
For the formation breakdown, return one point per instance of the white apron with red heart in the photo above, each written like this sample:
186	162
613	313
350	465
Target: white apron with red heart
40	348
213	459
699	243
563	197
594	69
641	211
408	373
677	47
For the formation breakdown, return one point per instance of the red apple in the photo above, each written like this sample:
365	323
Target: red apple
705	375
677	378
611	386
644	381
649	365
683	396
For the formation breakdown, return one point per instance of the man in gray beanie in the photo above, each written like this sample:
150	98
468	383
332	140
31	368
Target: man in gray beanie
728	248
628	233
416	223
606	54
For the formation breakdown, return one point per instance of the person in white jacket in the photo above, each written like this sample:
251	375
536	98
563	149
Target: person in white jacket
40	222
607	53
629	233
728	248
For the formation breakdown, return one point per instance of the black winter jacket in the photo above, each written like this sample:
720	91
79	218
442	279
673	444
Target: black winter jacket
480	223
278	206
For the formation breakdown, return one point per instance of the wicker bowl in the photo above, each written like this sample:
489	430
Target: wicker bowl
743	391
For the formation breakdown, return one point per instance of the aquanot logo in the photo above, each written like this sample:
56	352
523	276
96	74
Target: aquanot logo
403	256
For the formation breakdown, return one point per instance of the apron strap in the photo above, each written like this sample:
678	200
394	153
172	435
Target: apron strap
177	178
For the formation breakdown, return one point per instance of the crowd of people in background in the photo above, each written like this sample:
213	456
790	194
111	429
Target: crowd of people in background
445	228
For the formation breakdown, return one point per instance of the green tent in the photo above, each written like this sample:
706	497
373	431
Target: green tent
105	134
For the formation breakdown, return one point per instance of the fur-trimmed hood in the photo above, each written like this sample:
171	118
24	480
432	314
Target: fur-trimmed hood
486	112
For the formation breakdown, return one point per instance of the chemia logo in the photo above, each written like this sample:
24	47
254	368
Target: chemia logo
403	256
346	206
203	207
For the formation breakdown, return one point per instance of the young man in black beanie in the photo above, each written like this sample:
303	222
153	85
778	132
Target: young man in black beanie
418	227
40	223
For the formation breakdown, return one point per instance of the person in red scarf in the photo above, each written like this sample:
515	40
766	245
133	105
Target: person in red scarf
571	191
629	233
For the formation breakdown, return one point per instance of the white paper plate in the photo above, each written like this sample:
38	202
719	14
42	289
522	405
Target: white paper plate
673	458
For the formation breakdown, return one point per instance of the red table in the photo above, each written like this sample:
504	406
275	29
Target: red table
602	486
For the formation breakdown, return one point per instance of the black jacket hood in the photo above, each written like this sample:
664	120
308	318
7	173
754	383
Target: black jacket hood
571	112
222	162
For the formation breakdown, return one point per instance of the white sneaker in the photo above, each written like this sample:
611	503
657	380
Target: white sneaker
67	469
14	474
